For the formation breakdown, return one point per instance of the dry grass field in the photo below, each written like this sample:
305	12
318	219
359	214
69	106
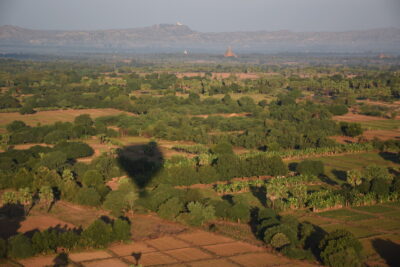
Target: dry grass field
49	117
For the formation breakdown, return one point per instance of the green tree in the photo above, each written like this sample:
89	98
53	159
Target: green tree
354	177
19	246
98	234
25	198
340	249
121	230
276	190
46	196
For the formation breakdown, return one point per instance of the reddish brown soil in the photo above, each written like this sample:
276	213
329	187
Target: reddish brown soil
42	222
153	258
229	249
189	254
38	261
225	115
350	117
217	262
106	263
167	243
382	134
128	249
204	238
89	255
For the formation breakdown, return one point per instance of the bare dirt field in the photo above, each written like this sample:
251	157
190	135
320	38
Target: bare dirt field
220	75
225	115
382	134
48	117
42	222
350	117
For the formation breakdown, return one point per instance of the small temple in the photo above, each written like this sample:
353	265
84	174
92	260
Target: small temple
229	52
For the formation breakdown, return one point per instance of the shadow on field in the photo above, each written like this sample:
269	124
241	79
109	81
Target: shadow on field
141	162
388	250
11	216
340	175
393	157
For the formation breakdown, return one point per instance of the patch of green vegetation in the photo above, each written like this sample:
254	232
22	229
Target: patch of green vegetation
314	220
357	231
382	224
373	209
380	124
345	215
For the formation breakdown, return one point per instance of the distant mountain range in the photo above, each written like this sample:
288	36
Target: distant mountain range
176	38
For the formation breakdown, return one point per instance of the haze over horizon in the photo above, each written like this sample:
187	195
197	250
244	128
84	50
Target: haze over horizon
204	16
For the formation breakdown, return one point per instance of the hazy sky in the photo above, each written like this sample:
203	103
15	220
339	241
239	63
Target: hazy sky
203	15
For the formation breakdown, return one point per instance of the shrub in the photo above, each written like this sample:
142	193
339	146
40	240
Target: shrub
88	196
3	248
351	129
171	208
75	150
239	212
279	240
121	230
380	187
198	214
340	248
289	232
115	202
92	178
98	234
338	109
26	110
19	246
222	148
377	172
310	167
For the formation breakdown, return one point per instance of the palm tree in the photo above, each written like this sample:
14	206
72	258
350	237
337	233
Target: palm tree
353	177
25	198
46	196
276	190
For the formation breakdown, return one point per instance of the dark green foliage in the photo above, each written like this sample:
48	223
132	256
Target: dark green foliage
74	150
98	235
23	178
114	202
54	160
380	187
310	167
19	246
121	230
222	148
157	196
239	212
88	196
340	248
3	248
16	126
26	110
171	208
351	129
92	178
338	110
7	101
396	184
198	214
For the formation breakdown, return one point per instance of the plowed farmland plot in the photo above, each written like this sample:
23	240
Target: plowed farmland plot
377	227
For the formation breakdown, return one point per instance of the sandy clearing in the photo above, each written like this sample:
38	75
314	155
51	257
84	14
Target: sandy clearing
106	263
204	238
229	249
167	243
92	255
